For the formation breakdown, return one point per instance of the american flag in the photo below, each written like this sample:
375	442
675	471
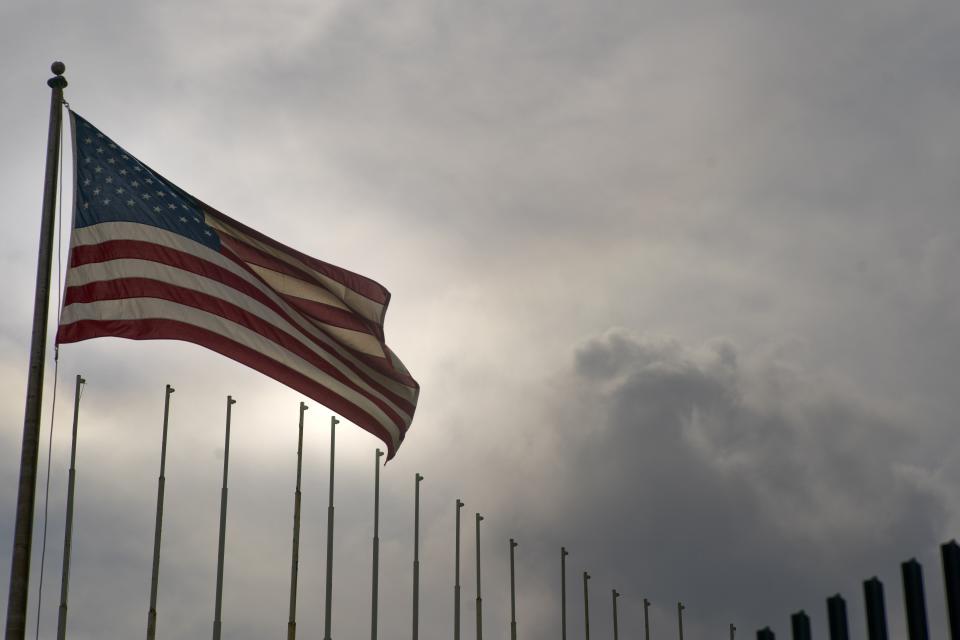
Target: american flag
149	261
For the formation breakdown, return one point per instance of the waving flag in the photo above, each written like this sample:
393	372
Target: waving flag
149	261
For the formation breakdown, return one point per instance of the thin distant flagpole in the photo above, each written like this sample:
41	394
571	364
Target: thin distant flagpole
479	599
68	533
646	619
456	577
376	544
680	609
513	593
295	562
329	591
586	606
158	527
416	555
217	622
563	592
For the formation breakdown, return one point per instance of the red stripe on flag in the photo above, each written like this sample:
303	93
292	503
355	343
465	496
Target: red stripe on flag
361	284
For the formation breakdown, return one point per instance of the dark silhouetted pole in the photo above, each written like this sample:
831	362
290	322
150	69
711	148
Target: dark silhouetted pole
765	634
616	618
646	619
158	525
376	545
950	555
328	605
837	618
733	631
416	555
563	592
68	533
217	621
30	446
680	609
479	599
586	606
295	562
913	598
456	577
513	593
800	626
876	611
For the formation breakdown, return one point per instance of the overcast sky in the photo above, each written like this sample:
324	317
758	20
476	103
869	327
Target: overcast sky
679	282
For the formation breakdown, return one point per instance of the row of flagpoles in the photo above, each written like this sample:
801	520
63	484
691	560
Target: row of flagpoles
292	623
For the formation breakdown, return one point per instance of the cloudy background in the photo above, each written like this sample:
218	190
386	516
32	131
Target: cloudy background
679	283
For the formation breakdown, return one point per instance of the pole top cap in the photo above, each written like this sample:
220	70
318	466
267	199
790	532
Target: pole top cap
57	81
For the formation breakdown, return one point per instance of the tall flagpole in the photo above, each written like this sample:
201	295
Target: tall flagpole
563	592
479	599
616	618
329	595
456	578
376	544
295	562
416	555
223	526
30	447
158	527
586	606
513	593
68	533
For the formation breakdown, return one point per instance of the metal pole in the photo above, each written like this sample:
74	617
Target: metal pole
68	533
586	606
646	619
376	544
680	609
295	562
479	599
513	594
563	592
616	618
416	555
223	525
30	447
733	631
155	576
329	597
456	578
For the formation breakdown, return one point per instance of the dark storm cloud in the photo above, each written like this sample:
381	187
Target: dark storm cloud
745	491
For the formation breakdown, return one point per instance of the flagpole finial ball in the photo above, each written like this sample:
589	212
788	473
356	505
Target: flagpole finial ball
58	68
